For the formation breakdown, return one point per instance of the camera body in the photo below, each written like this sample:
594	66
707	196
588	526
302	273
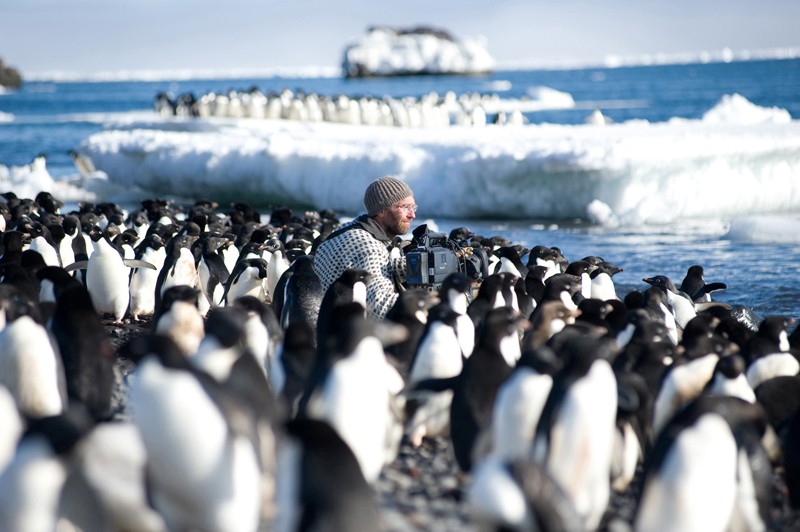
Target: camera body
433	257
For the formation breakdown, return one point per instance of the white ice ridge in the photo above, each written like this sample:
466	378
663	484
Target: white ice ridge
740	159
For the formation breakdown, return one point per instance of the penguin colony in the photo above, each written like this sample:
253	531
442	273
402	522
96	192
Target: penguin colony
429	110
243	412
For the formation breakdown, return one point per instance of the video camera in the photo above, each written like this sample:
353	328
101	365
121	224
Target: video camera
432	256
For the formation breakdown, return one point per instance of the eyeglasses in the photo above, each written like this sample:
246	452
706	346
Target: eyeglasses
408	208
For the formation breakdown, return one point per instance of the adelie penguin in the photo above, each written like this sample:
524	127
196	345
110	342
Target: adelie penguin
85	347
576	432
320	484
300	295
357	391
107	276
476	386
713	455
438	356
203	463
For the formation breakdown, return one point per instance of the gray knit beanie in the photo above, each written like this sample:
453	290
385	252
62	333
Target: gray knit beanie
383	193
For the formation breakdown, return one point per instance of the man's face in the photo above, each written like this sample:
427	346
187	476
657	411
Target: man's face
396	220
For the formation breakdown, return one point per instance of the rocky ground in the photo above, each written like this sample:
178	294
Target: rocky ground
424	490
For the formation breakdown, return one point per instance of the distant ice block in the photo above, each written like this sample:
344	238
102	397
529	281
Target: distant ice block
386	51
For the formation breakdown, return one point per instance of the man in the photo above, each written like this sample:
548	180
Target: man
366	243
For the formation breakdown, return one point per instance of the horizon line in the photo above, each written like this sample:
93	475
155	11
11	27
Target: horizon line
609	61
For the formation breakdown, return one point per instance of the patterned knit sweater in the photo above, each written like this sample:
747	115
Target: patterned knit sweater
362	244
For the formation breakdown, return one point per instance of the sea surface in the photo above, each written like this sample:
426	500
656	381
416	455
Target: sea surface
762	274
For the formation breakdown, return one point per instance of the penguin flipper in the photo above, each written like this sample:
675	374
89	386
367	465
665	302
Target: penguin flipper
78	265
426	386
138	263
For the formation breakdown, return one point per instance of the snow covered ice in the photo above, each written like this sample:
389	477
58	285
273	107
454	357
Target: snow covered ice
739	159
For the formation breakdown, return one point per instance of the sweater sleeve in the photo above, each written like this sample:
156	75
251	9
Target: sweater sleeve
358	249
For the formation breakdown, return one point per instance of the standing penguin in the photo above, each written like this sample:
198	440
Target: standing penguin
477	384
320	483
357	394
709	470
248	278
85	347
575	435
301	296
143	280
212	273
695	286
30	367
438	356
179	267
602	282
680	303
107	276
203	464
178	317
350	287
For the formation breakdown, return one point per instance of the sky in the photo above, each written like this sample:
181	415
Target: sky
90	36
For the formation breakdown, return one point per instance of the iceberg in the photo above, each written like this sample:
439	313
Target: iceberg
386	51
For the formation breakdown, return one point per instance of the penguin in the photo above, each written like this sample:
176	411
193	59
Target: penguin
84	345
602	282
107	276
178	317
544	256
248	278
729	379
31	368
350	287
295	361
712	454
489	296
301	295
695	286
143	281
534	284
681	304
411	310
203	465
357	394
222	343
519	403
477	385
320	483
438	356
277	265
655	304
212	274
179	267
455	292
36	485
550	318
42	242
582	269
113	462
510	262
576	432
686	378
767	353
632	436
262	336
518	495
561	287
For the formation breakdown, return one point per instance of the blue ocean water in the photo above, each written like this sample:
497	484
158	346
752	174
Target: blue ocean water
54	117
